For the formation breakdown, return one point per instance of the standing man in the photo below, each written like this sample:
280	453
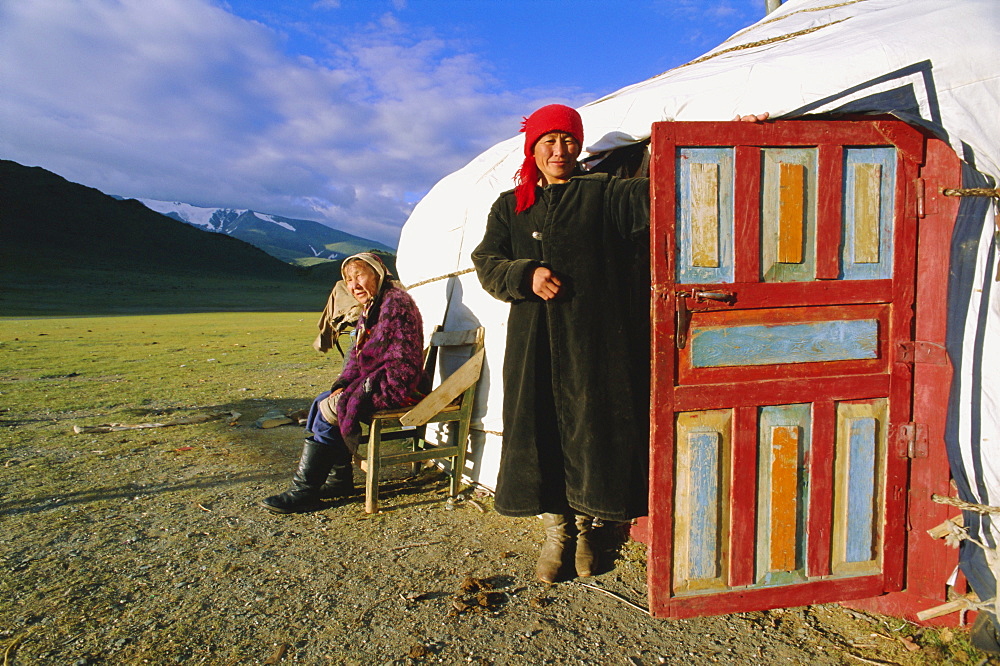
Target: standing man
567	250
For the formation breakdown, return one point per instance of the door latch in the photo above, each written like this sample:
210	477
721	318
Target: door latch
683	319
684	313
721	296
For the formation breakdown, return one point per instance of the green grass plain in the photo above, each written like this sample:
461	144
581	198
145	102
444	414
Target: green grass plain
91	370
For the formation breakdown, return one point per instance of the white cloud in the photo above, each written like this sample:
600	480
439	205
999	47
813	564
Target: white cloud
703	21
181	100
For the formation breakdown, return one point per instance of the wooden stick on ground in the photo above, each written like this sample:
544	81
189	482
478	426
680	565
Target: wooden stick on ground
414	545
184	420
870	661
10	649
615	595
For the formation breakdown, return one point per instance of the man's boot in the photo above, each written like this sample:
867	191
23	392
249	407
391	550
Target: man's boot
586	551
550	560
303	495
984	635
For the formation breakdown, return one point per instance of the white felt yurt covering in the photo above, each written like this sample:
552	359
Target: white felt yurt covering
930	63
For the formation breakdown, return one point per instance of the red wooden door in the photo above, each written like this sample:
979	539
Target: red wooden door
783	276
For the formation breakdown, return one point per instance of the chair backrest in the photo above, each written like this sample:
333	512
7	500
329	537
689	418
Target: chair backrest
461	383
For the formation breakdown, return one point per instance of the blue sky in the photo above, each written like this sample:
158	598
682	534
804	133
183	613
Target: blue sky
341	111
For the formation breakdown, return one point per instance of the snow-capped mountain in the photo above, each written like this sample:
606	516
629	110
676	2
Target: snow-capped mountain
300	242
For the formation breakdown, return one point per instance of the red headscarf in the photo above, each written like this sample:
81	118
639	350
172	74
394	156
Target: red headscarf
551	118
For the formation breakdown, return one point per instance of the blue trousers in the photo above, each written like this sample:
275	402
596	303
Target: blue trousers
327	433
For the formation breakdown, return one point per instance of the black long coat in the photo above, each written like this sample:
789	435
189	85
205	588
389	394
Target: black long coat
576	370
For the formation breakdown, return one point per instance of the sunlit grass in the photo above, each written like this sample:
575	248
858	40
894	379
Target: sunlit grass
115	368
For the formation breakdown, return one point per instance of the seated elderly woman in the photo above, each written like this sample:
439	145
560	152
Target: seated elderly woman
381	371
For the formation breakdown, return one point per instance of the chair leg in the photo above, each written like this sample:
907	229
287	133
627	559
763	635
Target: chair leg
419	440
458	462
373	460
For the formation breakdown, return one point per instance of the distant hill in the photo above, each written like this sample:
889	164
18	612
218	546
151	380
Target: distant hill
300	242
71	249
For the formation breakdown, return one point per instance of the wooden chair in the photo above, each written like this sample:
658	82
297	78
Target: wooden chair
449	402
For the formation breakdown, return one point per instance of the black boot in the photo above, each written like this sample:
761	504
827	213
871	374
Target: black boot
314	466
340	483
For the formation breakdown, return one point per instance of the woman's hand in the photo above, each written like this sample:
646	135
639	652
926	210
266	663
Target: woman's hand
328	406
545	284
760	117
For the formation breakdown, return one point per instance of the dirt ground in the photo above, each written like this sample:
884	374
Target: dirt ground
149	546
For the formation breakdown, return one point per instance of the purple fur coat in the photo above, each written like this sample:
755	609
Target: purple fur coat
385	370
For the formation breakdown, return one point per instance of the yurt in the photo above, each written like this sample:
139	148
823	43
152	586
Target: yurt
825	318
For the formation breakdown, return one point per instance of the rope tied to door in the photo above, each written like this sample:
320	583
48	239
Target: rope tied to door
966	506
971	192
993	192
959	533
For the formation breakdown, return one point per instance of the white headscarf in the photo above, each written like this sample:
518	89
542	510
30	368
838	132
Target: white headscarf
372	260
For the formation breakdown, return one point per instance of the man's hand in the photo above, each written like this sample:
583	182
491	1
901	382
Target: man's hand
545	284
760	117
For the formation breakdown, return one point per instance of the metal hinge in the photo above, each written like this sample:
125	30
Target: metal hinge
912	438
920	351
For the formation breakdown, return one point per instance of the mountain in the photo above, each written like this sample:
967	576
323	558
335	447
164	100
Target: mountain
300	242
71	249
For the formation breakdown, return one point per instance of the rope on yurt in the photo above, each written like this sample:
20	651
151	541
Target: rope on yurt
440	277
743	47
790	14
